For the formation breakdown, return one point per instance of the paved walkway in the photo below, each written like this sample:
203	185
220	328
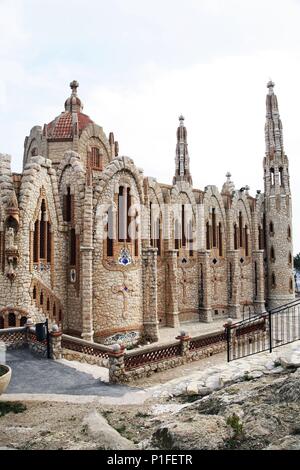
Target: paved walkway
193	328
34	375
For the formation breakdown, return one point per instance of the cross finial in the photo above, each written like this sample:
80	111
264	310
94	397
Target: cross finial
74	85
271	85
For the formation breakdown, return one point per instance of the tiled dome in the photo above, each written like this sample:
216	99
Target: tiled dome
64	126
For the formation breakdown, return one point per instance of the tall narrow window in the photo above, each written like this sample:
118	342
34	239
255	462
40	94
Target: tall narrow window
271	227
246	241
256	279
290	258
241	230
214	228
272	175
177	235
110	232
36	241
96	159
220	240
235	236
49	241
281	176
183	227
289	232
190	238
264	230
291	285
72	247
43	231
67	209
207	236
272	254
128	216
122	214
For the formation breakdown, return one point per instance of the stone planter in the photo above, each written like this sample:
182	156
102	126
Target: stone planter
5	376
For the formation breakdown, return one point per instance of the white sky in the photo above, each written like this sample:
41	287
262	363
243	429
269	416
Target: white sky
140	64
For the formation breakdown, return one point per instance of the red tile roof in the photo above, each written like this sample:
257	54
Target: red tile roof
62	128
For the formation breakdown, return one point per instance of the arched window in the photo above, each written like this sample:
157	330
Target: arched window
1	322
42	236
235	236
291	285
23	321
214	227
54	310
290	258
272	254
41	298
11	319
241	230
273	280
34	293
48	304
289	232
272	176
246	240
122	214
155	227
96	159
183	226
271	227
220	240
281	176
68	205
208	242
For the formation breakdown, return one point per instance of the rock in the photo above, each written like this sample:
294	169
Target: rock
108	438
201	433
214	382
255	374
291	359
203	391
286	443
192	388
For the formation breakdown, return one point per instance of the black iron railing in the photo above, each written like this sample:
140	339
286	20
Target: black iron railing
264	332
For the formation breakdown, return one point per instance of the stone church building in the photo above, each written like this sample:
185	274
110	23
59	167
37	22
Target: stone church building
94	245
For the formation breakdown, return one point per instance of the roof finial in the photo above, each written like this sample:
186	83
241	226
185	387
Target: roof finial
228	176
74	85
271	85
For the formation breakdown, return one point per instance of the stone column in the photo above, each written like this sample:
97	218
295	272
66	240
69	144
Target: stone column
55	343
205	286
234	284
149	258
259	297
87	267
172	289
184	339
117	364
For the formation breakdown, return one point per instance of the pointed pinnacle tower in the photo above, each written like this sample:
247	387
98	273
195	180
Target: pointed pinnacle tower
273	127
182	161
278	209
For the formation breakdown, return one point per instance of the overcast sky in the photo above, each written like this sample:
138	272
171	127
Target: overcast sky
142	63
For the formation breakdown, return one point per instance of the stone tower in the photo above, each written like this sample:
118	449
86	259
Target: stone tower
182	160
278	209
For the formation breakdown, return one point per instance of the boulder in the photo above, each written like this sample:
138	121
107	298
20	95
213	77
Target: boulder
106	436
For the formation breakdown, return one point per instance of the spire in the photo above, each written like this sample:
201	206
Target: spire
182	161
74	104
273	127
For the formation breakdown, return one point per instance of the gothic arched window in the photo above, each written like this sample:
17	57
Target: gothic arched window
214	228
272	175
272	254
271	227
281	176
273	280
235	236
220	240
42	236
246	240
208	241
